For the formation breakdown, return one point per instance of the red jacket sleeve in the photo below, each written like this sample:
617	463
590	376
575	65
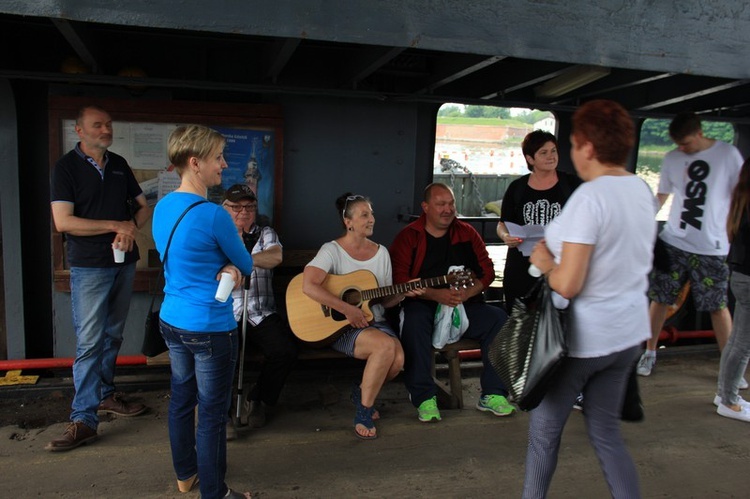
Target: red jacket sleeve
401	252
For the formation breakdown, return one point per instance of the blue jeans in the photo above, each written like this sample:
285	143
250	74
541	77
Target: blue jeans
416	337
100	299
202	373
736	353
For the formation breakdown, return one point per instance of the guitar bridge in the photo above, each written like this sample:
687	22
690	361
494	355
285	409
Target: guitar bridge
326	310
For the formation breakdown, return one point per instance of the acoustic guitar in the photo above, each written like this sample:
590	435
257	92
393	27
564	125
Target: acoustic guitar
319	324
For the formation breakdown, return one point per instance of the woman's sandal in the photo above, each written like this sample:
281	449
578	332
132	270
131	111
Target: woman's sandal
356	398
187	484
363	417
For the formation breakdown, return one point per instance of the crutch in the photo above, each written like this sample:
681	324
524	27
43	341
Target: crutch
245	290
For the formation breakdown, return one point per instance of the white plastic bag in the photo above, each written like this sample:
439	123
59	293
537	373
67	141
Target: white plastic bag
450	324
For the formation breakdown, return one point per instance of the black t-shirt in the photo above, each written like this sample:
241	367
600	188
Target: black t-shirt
440	255
436	259
523	205
76	181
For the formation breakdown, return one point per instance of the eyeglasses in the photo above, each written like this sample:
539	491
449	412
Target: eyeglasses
355	197
249	208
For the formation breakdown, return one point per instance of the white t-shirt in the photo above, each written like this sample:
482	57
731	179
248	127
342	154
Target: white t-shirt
615	214
333	259
701	184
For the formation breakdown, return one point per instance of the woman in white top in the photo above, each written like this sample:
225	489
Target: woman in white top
597	253
376	343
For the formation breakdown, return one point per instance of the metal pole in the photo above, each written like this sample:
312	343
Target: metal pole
245	290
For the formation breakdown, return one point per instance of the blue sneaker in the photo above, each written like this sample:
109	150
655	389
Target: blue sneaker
496	404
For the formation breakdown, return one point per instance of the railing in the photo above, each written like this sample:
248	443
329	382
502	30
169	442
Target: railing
474	191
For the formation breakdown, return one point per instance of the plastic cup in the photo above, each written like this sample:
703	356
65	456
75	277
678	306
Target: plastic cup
118	253
226	284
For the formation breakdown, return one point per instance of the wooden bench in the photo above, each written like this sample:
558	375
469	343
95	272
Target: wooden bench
450	392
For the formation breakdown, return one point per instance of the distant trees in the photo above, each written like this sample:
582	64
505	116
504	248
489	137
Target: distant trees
450	111
502	113
533	116
656	132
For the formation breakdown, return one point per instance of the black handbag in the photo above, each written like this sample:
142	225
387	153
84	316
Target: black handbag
632	406
530	346
153	341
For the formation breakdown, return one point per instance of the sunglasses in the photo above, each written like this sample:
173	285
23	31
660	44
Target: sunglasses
355	197
249	208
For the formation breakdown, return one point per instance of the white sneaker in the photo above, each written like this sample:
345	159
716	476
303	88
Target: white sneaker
646	364
742	415
742	402
743	384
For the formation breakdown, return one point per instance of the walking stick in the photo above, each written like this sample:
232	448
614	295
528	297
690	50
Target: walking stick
245	289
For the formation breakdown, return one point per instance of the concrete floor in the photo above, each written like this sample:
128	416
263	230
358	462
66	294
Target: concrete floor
682	449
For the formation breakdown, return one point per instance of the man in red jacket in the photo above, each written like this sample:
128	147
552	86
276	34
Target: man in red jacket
426	248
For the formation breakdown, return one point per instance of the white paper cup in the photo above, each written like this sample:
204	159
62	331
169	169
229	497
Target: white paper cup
118	253
226	284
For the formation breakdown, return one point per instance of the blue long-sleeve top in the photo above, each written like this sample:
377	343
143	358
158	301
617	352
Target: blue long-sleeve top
205	240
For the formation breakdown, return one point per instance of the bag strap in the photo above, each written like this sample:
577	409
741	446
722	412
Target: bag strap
169	242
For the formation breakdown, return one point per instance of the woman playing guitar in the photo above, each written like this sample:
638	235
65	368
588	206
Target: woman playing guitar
375	343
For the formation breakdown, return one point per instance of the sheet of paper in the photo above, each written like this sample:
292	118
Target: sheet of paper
529	234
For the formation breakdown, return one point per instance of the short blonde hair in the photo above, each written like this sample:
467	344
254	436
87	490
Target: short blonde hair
189	141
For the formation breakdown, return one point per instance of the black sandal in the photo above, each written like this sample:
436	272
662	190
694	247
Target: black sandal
356	398
363	417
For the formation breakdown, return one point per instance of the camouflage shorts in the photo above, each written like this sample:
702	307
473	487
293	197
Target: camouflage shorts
708	276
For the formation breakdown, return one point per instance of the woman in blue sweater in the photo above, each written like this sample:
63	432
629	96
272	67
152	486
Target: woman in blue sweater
200	331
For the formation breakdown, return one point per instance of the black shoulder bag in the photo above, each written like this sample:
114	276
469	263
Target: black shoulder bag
153	341
530	346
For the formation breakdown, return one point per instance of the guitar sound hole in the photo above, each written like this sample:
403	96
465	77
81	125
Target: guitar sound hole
350	296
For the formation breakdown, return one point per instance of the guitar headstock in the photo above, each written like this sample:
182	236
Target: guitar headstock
460	278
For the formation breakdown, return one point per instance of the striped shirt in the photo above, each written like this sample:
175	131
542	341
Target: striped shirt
260	301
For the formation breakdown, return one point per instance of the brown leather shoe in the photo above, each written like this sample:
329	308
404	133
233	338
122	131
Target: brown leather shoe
114	404
77	433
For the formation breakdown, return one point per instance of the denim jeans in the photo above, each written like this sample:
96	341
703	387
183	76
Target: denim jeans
202	372
736	353
100	299
416	337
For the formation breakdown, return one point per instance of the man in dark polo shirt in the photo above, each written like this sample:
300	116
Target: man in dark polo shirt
92	194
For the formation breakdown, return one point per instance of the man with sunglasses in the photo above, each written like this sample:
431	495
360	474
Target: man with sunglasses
266	330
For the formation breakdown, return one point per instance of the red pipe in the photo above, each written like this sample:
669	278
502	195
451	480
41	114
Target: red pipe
63	362
470	354
671	334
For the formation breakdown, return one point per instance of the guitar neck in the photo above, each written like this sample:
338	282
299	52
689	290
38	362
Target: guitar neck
430	282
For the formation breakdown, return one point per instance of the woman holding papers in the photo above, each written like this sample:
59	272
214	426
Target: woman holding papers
531	201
